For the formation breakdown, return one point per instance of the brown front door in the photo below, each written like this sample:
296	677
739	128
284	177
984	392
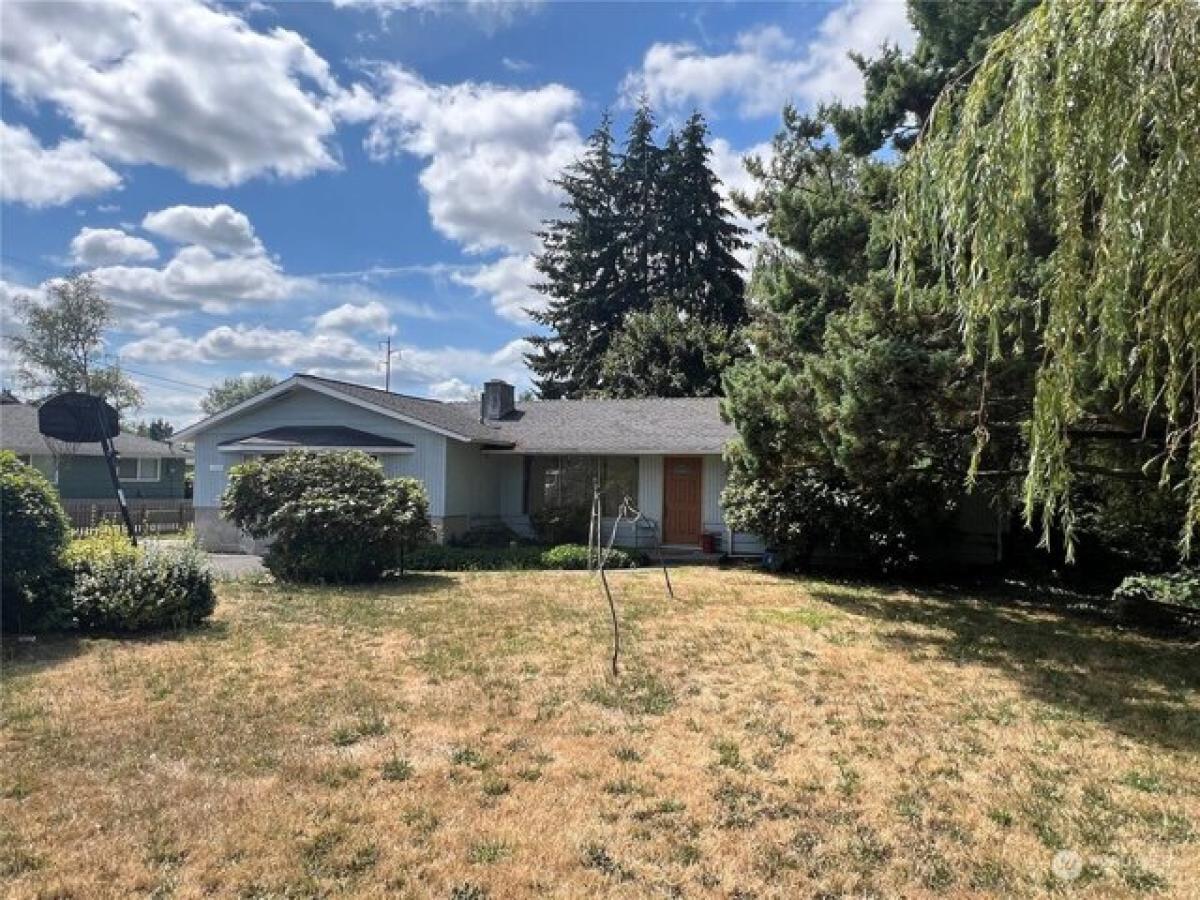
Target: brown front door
681	500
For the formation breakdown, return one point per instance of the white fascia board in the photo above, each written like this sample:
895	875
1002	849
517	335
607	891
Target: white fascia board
191	431
275	448
194	429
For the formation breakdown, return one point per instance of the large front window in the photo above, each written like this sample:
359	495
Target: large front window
567	482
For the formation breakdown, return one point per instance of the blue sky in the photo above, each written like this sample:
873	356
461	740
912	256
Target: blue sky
276	187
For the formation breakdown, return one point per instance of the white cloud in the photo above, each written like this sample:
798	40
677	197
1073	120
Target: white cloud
452	389
220	228
350	318
106	246
491	150
507	281
195	278
729	166
184	85
40	176
490	13
766	69
436	371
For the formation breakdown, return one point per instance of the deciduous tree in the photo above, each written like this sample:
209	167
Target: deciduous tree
62	345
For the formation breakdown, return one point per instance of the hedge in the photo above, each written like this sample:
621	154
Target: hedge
435	558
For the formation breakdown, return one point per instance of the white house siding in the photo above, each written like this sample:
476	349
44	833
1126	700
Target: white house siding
427	462
474	482
650	490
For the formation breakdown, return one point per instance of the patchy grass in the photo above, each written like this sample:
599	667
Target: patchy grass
459	736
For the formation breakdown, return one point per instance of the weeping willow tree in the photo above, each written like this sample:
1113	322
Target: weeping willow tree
1055	197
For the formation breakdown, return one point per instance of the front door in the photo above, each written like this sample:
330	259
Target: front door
681	500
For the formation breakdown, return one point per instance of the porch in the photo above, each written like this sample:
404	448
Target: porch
672	502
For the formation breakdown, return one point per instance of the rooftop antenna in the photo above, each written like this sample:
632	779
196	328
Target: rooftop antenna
388	352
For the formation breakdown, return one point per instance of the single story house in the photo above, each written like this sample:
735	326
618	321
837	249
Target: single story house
149	470
491	460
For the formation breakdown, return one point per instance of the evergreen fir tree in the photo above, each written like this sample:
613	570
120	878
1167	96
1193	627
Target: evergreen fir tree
639	195
580	262
699	270
643	232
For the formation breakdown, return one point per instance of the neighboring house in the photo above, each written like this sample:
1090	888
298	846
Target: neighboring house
491	460
149	470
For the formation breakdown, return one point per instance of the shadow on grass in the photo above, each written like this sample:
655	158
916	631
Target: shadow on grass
1140	686
20	657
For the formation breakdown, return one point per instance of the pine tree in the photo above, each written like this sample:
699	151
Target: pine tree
699	270
640	233
582	270
639	203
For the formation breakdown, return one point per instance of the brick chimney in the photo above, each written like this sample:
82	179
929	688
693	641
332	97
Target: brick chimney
499	399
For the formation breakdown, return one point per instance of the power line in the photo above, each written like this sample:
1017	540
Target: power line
199	387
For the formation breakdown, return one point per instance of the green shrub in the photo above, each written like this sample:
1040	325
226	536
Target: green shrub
484	559
489	535
1180	588
141	591
804	514
108	543
575	556
333	517
34	580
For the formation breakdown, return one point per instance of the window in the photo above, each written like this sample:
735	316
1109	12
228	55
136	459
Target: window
564	482
25	458
618	480
138	469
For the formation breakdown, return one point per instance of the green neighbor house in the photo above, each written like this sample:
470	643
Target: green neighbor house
149	470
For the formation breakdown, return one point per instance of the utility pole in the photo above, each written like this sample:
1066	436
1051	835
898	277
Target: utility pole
387	362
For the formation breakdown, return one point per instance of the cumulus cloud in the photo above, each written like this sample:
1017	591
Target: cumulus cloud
220	228
435	371
106	246
491	153
350	318
196	278
40	176
452	389
507	281
729	166
766	69
186	85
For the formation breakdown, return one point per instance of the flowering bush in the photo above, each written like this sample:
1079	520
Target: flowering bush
332	517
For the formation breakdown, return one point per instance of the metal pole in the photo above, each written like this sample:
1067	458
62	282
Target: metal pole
110	457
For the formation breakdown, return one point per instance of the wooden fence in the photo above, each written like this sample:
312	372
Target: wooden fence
149	516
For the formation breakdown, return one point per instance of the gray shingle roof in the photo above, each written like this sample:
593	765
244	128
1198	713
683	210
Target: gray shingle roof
660	425
19	433
456	418
677	425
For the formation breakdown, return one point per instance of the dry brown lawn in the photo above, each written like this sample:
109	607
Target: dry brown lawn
457	736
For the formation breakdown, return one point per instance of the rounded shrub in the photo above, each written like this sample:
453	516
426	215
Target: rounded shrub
575	556
332	517
117	590
34	531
